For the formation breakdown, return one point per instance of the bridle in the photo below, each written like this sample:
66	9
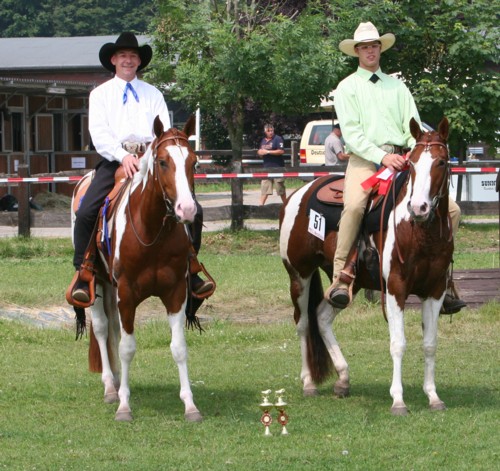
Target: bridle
443	189
169	204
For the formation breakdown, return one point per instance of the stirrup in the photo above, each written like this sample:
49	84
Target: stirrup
71	287
208	292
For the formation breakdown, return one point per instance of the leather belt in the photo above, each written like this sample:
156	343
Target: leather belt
135	147
392	149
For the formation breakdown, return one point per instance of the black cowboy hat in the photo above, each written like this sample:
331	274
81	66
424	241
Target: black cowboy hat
125	41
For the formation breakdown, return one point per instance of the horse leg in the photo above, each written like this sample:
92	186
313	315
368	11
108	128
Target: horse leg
100	326
309	387
326	316
178	348
430	316
127	350
299	292
395	319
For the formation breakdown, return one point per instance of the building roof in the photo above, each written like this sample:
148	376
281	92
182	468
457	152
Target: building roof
54	53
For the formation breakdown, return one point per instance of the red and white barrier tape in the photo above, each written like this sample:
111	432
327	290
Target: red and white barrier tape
208	176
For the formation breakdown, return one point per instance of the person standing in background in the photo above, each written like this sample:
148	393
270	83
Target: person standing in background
271	150
334	148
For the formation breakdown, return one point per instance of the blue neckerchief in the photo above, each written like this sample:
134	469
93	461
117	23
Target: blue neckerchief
125	93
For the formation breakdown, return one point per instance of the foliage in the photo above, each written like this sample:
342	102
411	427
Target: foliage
447	53
48	18
229	57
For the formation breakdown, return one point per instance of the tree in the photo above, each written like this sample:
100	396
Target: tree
49	18
227	56
447	53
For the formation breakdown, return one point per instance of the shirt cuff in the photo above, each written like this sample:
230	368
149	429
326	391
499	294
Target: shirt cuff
120	154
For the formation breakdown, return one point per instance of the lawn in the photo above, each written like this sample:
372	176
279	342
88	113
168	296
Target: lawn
52	415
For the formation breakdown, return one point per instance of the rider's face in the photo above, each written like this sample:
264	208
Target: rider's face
126	62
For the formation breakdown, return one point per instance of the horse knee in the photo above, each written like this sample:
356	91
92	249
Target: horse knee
127	347
179	351
430	350
398	349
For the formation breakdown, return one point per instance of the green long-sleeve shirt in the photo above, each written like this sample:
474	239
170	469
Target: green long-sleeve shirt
373	114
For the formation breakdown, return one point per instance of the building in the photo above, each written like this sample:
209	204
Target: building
44	89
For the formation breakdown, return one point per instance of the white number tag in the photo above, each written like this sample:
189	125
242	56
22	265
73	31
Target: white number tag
316	225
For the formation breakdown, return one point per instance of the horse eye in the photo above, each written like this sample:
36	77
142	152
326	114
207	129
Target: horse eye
163	164
442	162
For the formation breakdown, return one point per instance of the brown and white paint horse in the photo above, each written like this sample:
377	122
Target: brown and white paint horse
417	250
149	257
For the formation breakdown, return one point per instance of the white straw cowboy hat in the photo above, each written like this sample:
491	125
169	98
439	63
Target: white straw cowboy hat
366	33
125	41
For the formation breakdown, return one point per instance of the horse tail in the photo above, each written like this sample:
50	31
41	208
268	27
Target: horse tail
318	359
95	360
113	338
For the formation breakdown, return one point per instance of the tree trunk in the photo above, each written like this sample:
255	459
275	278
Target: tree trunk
235	129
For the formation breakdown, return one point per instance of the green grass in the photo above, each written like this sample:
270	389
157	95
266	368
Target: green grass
52	414
36	272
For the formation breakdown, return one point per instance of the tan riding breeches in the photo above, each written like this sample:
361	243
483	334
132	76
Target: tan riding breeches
355	201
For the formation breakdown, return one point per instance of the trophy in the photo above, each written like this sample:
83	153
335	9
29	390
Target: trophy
265	407
280	407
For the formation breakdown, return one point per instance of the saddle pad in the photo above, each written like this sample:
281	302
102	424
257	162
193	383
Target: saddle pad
330	211
371	221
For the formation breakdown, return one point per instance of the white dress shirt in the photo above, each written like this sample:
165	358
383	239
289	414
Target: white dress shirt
112	122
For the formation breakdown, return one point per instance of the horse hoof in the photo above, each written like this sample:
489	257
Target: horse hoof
341	390
111	398
437	406
399	410
193	416
123	416
311	392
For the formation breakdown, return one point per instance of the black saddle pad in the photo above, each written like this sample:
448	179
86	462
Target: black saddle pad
330	212
371	221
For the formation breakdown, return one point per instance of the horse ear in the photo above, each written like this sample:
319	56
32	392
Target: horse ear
444	129
190	126
415	130
158	127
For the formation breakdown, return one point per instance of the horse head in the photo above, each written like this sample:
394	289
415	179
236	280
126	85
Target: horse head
173	163
429	171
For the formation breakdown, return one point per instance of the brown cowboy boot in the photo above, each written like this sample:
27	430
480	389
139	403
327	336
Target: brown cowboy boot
339	294
81	291
200	288
451	302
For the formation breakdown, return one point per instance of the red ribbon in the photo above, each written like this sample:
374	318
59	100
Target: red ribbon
383	184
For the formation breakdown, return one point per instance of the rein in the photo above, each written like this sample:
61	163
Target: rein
169	204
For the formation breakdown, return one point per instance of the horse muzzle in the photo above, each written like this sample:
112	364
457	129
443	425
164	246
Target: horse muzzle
420	213
185	210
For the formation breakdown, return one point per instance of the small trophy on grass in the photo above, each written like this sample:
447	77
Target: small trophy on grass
280	407
265	407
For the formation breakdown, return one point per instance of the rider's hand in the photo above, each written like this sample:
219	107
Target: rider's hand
130	164
394	162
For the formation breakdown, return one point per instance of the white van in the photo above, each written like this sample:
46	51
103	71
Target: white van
312	143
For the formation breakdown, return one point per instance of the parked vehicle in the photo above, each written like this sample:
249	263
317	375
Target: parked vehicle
312	143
